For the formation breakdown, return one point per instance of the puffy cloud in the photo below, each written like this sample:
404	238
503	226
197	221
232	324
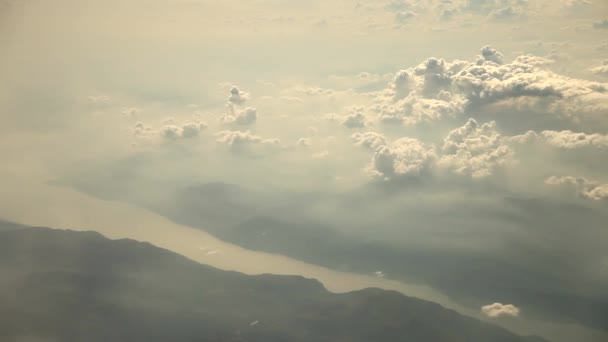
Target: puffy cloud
244	117
405	157
370	140
245	141
355	119
498	309
184	131
415	109
403	83
236	114
475	150
562	139
569	139
436	88
491	55
237	97
586	188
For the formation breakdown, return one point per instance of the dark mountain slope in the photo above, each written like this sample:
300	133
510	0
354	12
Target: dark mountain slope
72	286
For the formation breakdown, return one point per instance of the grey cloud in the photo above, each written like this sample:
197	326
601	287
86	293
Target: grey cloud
601	24
491	55
586	188
237	97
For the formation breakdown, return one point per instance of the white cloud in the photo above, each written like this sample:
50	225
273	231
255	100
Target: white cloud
436	89
475	150
184	131
563	139
601	70
370	140
404	157
355	119
237	96
498	309
247	142
569	139
243	117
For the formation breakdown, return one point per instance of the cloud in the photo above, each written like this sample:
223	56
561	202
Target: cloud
601	24
586	188
176	132
404	17
601	70
436	89
237	96
475	150
237	115
371	140
570	140
355	119
245	117
497	309
304	142
491	55
404	157
562	139
131	112
247	142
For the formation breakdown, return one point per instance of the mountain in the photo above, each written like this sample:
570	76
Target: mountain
60	285
285	224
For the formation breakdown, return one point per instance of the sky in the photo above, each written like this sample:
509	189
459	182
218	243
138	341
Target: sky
467	130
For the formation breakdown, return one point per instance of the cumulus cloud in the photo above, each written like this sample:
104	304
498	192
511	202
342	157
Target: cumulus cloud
436	89
245	141
237	96
355	119
475	150
498	309
404	157
491	55
586	188
184	131
370	140
563	139
237	115
243	117
569	139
